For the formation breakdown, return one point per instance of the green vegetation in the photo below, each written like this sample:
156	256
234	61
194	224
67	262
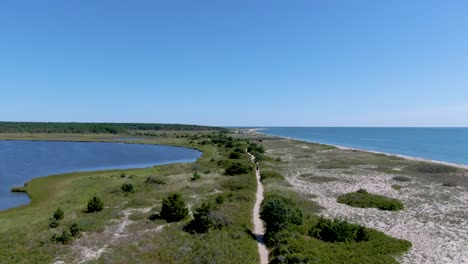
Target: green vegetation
278	213
433	168
95	128
207	217
25	236
267	175
401	179
396	187
195	176
95	204
174	208
296	235
127	188
338	231
363	199
237	168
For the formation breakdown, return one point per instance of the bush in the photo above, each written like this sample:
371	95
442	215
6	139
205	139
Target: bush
127	188
238	168
173	208
58	214
363	199
401	178
205	218
63	238
195	176
53	223
235	155
338	231
123	175
433	168
155	180
75	230
278	214
95	204
270	175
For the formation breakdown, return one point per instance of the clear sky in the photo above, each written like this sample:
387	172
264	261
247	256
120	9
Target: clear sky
242	62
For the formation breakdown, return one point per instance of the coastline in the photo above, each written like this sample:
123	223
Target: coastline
456	165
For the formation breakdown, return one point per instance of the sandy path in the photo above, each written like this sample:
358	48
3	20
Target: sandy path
259	229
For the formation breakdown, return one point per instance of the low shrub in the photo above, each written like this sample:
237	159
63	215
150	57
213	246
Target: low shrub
278	213
338	231
195	176
235	155
205	218
58	214
236	168
264	175
53	223
127	188
63	238
95	204
396	187
173	208
75	230
433	168
363	199
401	179
155	180
123	175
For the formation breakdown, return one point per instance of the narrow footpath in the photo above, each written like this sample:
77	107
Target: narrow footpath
259	229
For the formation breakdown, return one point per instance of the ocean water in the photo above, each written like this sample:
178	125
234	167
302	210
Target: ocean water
441	144
21	161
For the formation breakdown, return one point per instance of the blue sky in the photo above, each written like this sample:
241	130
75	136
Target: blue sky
251	63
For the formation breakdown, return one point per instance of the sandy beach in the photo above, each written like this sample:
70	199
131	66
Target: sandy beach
435	217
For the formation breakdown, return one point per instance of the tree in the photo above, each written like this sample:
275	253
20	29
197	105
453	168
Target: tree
173	208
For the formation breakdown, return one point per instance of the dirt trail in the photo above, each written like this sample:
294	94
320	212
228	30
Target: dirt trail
259	229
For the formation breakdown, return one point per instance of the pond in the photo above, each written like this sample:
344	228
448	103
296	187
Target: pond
21	161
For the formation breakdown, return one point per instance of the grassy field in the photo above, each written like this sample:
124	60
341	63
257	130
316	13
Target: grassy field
122	232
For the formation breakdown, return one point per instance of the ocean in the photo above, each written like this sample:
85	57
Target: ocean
441	144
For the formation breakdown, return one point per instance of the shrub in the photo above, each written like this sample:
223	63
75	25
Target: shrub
235	155
278	214
220	199
53	223
123	175
127	188
363	199
433	168
270	175
95	204
173	208
63	238
396	187
401	178
238	168
338	231
155	180
58	214
195	176
205	218
75	230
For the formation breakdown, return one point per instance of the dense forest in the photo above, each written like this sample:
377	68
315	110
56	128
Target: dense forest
94	128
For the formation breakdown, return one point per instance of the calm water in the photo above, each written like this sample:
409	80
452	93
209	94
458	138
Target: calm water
20	161
443	144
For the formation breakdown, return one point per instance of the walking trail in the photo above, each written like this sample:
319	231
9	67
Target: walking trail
259	229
